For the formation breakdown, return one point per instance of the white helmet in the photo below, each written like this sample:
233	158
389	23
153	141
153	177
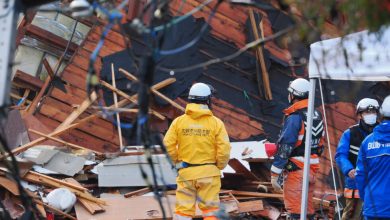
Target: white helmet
367	104
385	108
299	88
199	91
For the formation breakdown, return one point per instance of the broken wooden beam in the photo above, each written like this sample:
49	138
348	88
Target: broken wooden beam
121	103
118	120
35	177
54	183
25	80
239	168
159	94
92	207
54	133
137	192
260	56
250	206
76	113
130	98
256	194
60	212
74	146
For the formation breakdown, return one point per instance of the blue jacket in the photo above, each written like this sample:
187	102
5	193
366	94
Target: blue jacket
373	172
292	135
342	160
288	136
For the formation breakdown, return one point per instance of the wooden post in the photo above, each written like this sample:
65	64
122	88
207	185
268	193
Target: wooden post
132	77
76	113
118	120
260	56
130	98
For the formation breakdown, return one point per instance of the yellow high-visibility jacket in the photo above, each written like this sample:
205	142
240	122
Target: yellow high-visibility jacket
198	137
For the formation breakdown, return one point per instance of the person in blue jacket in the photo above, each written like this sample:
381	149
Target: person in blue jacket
373	169
347	153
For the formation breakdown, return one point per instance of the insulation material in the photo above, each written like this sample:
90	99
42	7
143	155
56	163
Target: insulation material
81	28
57	28
53	62
34	43
61	198
27	59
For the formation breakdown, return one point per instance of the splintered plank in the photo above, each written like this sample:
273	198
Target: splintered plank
256	194
74	146
250	206
239	168
96	128
59	212
92	207
78	137
36	177
162	96
27	80
77	112
137	192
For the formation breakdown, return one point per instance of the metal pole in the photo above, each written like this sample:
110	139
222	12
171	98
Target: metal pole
306	168
9	17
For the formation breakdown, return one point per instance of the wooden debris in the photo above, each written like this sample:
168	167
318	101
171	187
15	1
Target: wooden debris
250	206
121	103
92	207
9	185
54	133
76	113
260	55
137	192
165	98
55	210
239	168
130	98
118	120
256	194
24	80
55	183
35	177
74	146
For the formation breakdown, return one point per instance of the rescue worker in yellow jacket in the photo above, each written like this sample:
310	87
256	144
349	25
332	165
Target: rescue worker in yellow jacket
289	159
199	144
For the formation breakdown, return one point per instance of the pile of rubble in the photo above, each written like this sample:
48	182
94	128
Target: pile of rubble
78	183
